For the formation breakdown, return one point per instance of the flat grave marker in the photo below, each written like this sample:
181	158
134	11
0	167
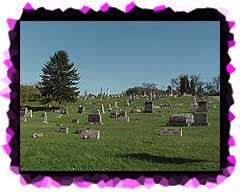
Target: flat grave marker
171	131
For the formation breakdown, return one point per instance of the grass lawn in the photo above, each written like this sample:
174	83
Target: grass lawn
123	146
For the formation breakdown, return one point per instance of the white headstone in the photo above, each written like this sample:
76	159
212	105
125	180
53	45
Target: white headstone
102	108
45	118
26	111
110	107
30	113
115	104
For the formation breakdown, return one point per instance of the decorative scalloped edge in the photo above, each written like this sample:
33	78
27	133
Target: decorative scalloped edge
104	180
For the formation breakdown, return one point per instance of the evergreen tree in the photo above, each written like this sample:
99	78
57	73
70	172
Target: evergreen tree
59	80
184	84
192	87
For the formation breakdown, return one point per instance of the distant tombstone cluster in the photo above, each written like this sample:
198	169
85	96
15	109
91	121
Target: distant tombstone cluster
196	116
25	113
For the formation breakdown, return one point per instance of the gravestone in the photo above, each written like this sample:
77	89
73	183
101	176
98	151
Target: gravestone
115	104
30	113
128	103
138	110
94	118
26	112
189	117
75	121
109	107
80	109
45	118
200	120
102	108
171	131
151	96
62	129
113	114
148	107
37	135
177	120
202	106
90	134
122	114
194	101
123	118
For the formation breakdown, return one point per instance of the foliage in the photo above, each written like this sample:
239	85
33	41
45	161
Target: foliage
59	80
28	93
184	84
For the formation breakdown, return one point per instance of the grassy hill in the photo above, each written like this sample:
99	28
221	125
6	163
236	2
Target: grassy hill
123	146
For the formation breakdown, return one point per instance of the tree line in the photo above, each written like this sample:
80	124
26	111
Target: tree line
183	84
60	79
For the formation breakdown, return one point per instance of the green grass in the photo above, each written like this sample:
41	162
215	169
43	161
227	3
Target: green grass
123	146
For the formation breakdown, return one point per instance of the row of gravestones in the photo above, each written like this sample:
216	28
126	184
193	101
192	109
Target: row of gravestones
188	119
201	106
25	113
84	134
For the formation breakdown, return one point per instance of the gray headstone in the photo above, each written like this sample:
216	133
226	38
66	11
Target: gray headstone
200	120
62	129
171	131
148	107
94	118
202	106
177	120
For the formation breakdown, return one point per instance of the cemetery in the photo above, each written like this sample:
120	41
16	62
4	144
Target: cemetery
160	127
119	96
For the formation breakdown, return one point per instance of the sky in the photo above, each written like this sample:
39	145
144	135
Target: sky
122	54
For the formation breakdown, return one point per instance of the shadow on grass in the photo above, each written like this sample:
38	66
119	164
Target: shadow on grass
161	159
